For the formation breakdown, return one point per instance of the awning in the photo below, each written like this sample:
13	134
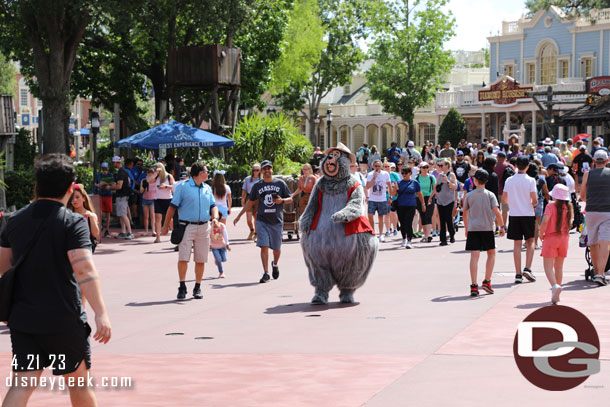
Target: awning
588	115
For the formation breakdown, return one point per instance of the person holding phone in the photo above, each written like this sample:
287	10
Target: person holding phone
446	184
378	182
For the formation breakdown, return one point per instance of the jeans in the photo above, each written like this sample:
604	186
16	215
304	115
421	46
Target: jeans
445	214
221	256
405	217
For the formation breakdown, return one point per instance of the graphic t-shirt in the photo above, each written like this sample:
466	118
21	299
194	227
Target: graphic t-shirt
461	171
268	211
380	187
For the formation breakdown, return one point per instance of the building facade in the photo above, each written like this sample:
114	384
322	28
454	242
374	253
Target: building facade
357	119
545	50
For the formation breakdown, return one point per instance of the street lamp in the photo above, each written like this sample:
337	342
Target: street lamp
95	128
316	120
329	119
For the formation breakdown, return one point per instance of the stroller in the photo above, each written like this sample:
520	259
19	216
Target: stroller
589	271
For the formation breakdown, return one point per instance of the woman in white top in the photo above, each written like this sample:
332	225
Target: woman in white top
163	196
222	195
252	179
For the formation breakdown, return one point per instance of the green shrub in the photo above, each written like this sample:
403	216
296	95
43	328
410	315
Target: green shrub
84	175
453	128
19	187
25	150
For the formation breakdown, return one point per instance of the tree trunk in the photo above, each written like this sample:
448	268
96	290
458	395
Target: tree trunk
56	119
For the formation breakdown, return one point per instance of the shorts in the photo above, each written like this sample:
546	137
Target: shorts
426	218
63	352
122	205
223	211
148	202
196	239
598	227
504	206
521	227
480	241
106	204
269	235
555	245
162	205
382	208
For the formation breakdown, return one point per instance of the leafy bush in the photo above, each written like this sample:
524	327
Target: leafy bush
453	128
84	175
25	149
19	187
272	137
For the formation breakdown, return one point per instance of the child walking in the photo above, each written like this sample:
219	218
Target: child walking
219	242
554	233
480	206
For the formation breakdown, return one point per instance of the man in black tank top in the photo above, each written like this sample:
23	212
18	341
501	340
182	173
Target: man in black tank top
594	191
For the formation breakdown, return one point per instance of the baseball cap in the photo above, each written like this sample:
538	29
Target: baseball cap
501	143
600	155
555	150
104	165
183	175
116	159
582	148
460	152
555	166
584	140
411	144
481	175
266	163
423	164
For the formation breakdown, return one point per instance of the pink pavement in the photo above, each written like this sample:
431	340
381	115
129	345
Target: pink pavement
415	337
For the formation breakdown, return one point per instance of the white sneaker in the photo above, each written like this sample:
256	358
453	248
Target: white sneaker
381	238
409	245
404	243
556	289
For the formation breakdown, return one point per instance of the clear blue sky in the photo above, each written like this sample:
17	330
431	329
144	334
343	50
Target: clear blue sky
476	18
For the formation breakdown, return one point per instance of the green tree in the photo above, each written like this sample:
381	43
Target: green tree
44	36
301	47
7	76
453	128
345	23
410	62
569	7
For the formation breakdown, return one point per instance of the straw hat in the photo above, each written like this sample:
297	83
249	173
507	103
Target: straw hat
560	192
343	148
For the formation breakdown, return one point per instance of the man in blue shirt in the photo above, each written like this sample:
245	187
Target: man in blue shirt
548	157
393	154
196	206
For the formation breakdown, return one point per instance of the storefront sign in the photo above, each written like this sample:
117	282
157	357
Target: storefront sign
504	92
600	85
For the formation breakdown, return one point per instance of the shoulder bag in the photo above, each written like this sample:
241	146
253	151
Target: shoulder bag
7	281
178	232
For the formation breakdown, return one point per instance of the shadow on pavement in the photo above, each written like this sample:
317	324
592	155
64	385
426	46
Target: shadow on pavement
579	285
102	251
236	285
307	307
148	304
534	305
447	298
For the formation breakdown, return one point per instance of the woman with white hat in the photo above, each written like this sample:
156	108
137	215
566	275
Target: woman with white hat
554	233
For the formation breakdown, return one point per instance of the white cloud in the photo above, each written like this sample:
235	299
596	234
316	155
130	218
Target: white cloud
476	18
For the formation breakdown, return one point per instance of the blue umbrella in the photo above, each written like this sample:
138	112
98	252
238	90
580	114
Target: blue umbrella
173	135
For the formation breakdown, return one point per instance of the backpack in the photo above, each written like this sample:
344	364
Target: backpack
365	156
508	172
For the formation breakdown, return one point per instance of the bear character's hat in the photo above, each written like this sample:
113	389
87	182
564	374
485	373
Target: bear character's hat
342	147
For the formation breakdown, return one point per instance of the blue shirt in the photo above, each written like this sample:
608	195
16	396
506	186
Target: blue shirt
391	157
548	159
407	191
193	202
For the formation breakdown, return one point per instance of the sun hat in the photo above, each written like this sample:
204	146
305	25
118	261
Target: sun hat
547	142
560	192
342	147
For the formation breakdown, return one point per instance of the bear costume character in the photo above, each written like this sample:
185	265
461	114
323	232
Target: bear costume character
338	242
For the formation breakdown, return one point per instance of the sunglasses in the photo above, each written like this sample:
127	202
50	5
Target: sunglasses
405	172
255	169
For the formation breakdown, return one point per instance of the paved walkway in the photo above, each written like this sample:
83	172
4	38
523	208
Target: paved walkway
416	337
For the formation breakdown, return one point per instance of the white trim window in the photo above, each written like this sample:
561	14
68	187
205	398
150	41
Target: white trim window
548	64
429	132
563	68
587	65
24	97
509	68
530	73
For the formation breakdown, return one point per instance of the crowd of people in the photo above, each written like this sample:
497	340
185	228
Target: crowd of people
533	193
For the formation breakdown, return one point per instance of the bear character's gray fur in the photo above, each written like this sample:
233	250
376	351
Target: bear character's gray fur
331	256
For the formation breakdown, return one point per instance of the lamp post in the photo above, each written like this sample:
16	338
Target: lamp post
329	119
77	144
95	128
316	120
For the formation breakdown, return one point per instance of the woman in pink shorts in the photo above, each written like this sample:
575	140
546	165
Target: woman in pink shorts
554	233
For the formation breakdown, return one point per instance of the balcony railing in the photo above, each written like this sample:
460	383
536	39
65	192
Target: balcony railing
601	16
470	96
